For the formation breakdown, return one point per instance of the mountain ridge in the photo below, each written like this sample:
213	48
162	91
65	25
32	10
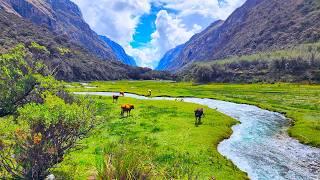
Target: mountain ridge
65	58
62	17
256	26
119	51
170	55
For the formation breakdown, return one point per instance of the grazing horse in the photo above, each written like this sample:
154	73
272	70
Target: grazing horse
149	92
126	108
198	113
122	93
115	98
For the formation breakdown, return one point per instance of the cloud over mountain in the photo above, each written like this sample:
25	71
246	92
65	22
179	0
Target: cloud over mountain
176	22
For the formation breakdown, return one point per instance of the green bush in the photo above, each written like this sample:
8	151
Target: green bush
16	79
46	131
63	51
39	48
48	120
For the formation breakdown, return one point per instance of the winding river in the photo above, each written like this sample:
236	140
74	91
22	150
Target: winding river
259	145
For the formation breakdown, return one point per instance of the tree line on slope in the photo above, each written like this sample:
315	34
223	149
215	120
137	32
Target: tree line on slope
298	64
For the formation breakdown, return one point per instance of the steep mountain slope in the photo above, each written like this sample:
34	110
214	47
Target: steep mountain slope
259	25
66	59
119	51
71	61
168	57
62	17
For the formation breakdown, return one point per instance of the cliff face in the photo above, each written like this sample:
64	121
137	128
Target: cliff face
119	51
257	26
62	17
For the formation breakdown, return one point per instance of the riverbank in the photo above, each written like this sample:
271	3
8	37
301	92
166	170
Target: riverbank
296	101
259	145
161	136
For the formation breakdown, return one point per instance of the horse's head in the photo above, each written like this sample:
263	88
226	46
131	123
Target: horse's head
131	106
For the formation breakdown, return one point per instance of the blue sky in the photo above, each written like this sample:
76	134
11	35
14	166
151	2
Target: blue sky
147	29
147	26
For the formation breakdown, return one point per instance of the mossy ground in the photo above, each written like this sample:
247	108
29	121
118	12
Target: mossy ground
297	101
163	132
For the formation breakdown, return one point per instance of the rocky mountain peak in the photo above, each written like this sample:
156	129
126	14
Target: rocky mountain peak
63	17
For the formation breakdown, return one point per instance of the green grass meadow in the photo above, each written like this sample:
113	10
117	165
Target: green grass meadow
160	136
300	102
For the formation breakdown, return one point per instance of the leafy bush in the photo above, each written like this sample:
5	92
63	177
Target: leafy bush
48	120
16	79
63	51
46	131
39	48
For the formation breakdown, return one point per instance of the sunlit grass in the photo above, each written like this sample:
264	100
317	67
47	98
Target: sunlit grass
297	101
162	135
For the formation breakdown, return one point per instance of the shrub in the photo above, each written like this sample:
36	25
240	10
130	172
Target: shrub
63	51
46	131
16	79
37	47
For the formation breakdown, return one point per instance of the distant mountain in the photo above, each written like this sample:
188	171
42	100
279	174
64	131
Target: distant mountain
70	61
66	45
172	54
257	26
194	47
62	17
119	51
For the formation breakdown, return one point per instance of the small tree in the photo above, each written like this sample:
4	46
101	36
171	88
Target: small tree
46	131
16	79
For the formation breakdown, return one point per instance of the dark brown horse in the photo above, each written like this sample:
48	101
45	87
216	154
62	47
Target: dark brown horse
122	93
198	113
126	108
115	98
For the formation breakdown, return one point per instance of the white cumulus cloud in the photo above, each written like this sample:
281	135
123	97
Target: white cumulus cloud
170	32
118	20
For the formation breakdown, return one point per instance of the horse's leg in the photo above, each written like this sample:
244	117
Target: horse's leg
200	121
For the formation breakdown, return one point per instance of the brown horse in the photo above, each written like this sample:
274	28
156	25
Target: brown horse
115	98
126	108
198	113
122	93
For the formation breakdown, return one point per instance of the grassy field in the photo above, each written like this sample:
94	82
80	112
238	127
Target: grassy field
160	137
297	101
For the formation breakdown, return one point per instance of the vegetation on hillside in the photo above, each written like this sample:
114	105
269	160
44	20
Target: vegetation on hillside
297	64
257	26
69	61
42	121
299	102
